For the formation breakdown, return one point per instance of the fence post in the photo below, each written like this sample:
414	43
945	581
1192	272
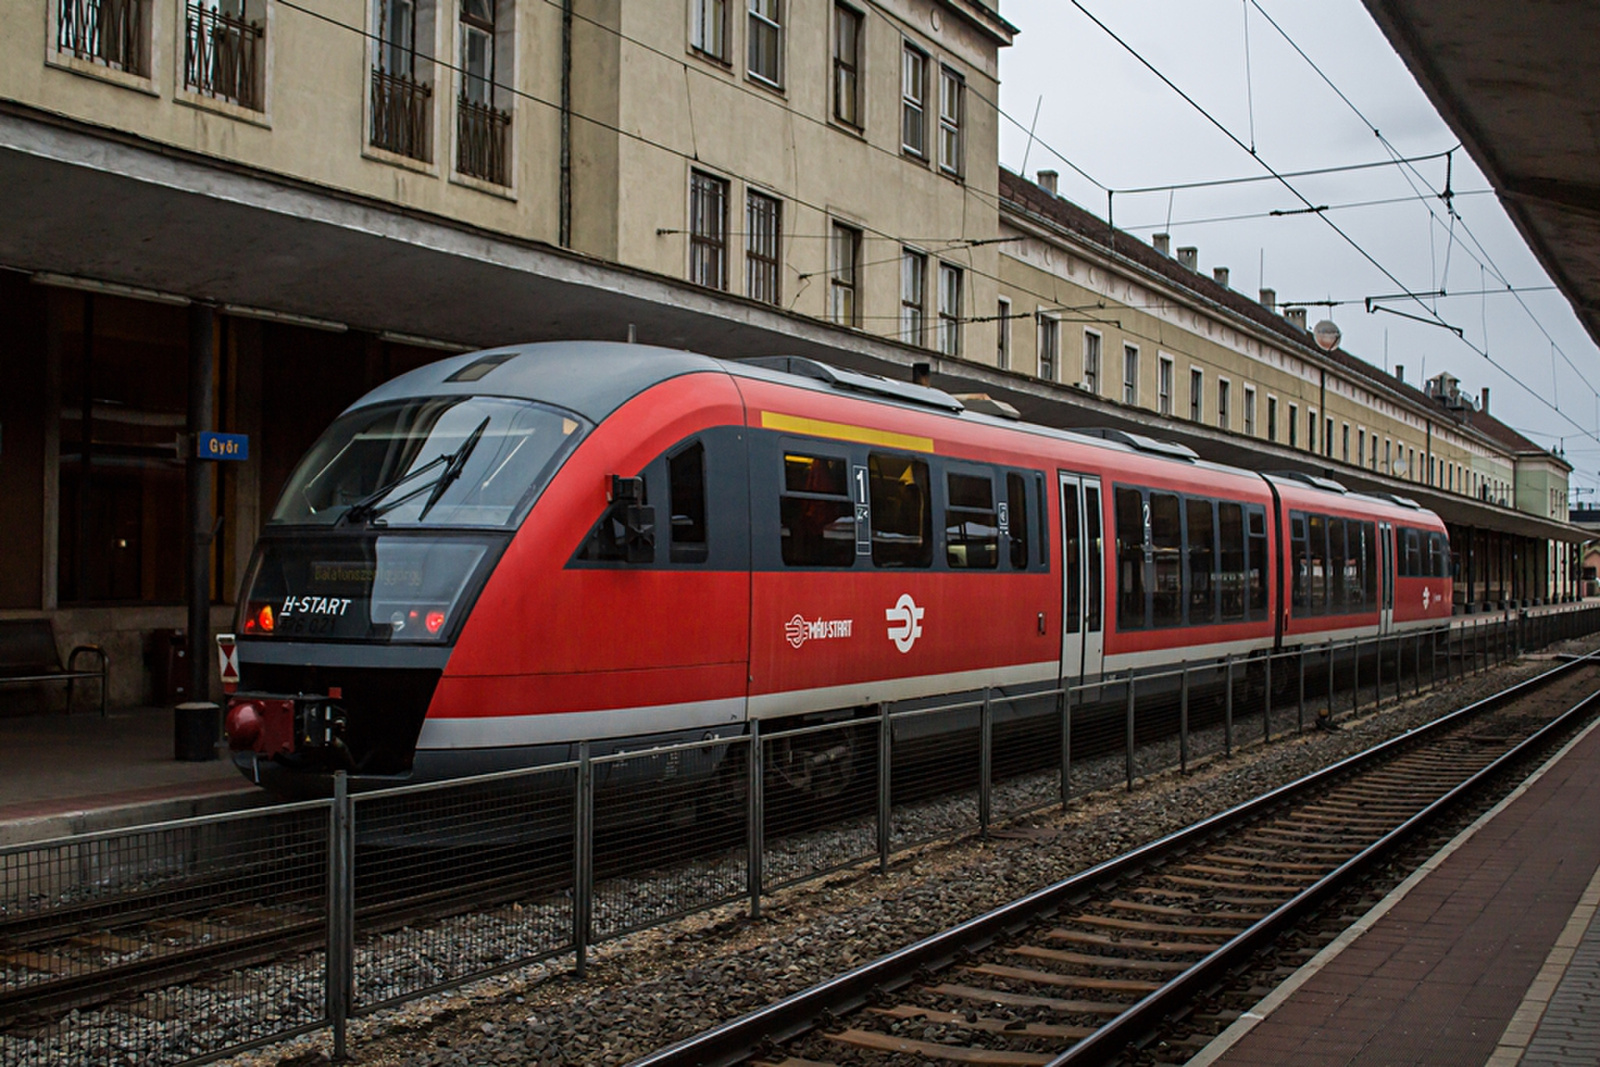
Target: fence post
1300	714
1183	721
340	967
1399	667
1128	754
583	861
885	767
1227	703
1355	676
1433	659
1066	742
985	762
757	813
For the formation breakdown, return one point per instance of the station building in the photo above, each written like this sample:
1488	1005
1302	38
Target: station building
271	206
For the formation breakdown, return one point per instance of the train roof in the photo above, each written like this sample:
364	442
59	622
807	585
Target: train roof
595	378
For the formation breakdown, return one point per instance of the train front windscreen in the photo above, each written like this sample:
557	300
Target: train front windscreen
394	518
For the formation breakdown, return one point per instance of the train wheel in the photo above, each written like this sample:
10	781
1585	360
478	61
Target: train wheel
817	766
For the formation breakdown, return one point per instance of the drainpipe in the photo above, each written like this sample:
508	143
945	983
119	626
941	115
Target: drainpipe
197	498
1322	417
565	236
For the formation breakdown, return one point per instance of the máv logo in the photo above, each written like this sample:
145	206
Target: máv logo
799	629
905	622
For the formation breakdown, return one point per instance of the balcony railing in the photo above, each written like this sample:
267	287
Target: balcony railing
111	32
482	133
400	114
222	56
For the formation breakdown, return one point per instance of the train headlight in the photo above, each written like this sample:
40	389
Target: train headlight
435	621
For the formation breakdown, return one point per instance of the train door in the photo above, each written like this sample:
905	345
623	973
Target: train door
1082	579
1385	577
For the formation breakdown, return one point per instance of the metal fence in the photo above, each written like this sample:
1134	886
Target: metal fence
232	931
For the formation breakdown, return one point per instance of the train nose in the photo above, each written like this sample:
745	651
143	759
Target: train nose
243	725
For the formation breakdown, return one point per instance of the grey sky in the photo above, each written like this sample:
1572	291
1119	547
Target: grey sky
1110	116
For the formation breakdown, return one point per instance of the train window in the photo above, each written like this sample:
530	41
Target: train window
1017	500
1301	592
1230	527
1369	566
902	518
1256	519
1071	549
816	514
1317	574
1091	515
1339	566
1166	546
1042	499
971	526
1438	555
686	478
1130	559
1413	553
1202	561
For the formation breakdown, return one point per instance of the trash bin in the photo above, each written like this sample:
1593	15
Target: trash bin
197	727
168	658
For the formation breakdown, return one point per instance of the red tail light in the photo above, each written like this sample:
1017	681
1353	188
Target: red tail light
435	621
264	617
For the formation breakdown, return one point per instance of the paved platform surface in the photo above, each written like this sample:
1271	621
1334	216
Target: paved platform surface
63	774
1488	955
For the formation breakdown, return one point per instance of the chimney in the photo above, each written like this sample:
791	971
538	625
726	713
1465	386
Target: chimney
1269	299
1162	243
1047	181
1399	372
921	373
1221	275
1296	316
1189	257
1484	407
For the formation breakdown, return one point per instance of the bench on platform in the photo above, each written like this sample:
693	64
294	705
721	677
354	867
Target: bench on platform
28	653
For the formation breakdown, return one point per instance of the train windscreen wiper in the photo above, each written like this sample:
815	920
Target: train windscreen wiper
367	508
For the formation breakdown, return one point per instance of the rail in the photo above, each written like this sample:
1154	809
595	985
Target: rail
398	893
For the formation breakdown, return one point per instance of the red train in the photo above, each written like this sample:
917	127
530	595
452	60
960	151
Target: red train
501	554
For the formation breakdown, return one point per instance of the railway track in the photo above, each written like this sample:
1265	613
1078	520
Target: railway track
1084	971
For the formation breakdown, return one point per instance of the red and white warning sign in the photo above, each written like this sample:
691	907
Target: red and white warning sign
228	661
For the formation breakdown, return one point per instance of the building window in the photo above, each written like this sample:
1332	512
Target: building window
1311	431
1164	385
952	92
114	33
844	260
1327	437
1249	411
1294	425
1361	447
708	230
1197	395
847	65
766	41
913	294
949	340
1130	374
708	28
223	51
1223	390
1049	347
1002	320
763	226
913	102
1388	456
1345	444
1091	361
1272	419
401	93
482	129
1411	464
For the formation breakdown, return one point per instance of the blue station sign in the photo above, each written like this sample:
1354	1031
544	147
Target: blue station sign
223	446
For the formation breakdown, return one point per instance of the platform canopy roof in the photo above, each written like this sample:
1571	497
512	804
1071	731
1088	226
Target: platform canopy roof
1519	83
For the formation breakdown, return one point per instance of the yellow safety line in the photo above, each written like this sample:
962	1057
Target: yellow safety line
841	431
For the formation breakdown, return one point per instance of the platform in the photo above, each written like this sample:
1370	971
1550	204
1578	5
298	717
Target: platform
1490	954
64	774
